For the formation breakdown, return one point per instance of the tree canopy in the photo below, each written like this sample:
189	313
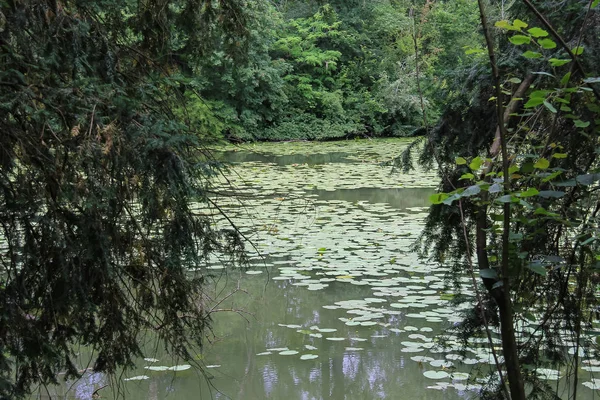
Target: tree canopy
100	162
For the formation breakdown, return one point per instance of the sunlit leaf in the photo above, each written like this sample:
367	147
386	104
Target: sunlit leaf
555	62
547	43
542	163
520	39
537	32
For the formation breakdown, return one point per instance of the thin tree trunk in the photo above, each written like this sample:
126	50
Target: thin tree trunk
509	343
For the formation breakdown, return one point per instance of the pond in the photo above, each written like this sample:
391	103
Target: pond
335	303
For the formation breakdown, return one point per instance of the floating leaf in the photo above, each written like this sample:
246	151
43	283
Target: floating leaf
308	356
288	353
435	374
184	367
137	378
157	368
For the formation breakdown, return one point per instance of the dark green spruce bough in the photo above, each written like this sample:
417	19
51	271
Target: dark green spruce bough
98	168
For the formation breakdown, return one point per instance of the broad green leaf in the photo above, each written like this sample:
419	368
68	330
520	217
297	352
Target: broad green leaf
556	62
543	211
581	124
577	50
529	193
519	24
515	80
551	194
471	191
488	273
595	3
550	107
542	163
532	54
507	198
533	102
322	249
537	32
538	269
438	198
460	161
539	94
466	176
475	163
448	201
512	169
520	39
495	188
547	43
560	155
504	24
588	179
565	79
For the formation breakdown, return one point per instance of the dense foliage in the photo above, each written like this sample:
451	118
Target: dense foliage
100	160
517	148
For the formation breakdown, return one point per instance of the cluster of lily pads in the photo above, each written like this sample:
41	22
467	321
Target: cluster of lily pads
323	244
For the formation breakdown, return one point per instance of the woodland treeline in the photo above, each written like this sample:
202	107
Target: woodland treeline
334	70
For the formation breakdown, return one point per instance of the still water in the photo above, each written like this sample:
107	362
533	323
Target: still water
335	303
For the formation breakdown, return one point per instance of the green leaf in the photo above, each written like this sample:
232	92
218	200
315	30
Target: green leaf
537	32
515	80
322	250
550	107
592	80
475	163
466	176
547	43
533	102
438	198
547	194
559	155
471	191
507	198
520	39
529	193
504	24
543	211
519	24
460	161
588	179
538	269
556	62
577	50
581	124
565	79
595	3
532	54
488	273
542	163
